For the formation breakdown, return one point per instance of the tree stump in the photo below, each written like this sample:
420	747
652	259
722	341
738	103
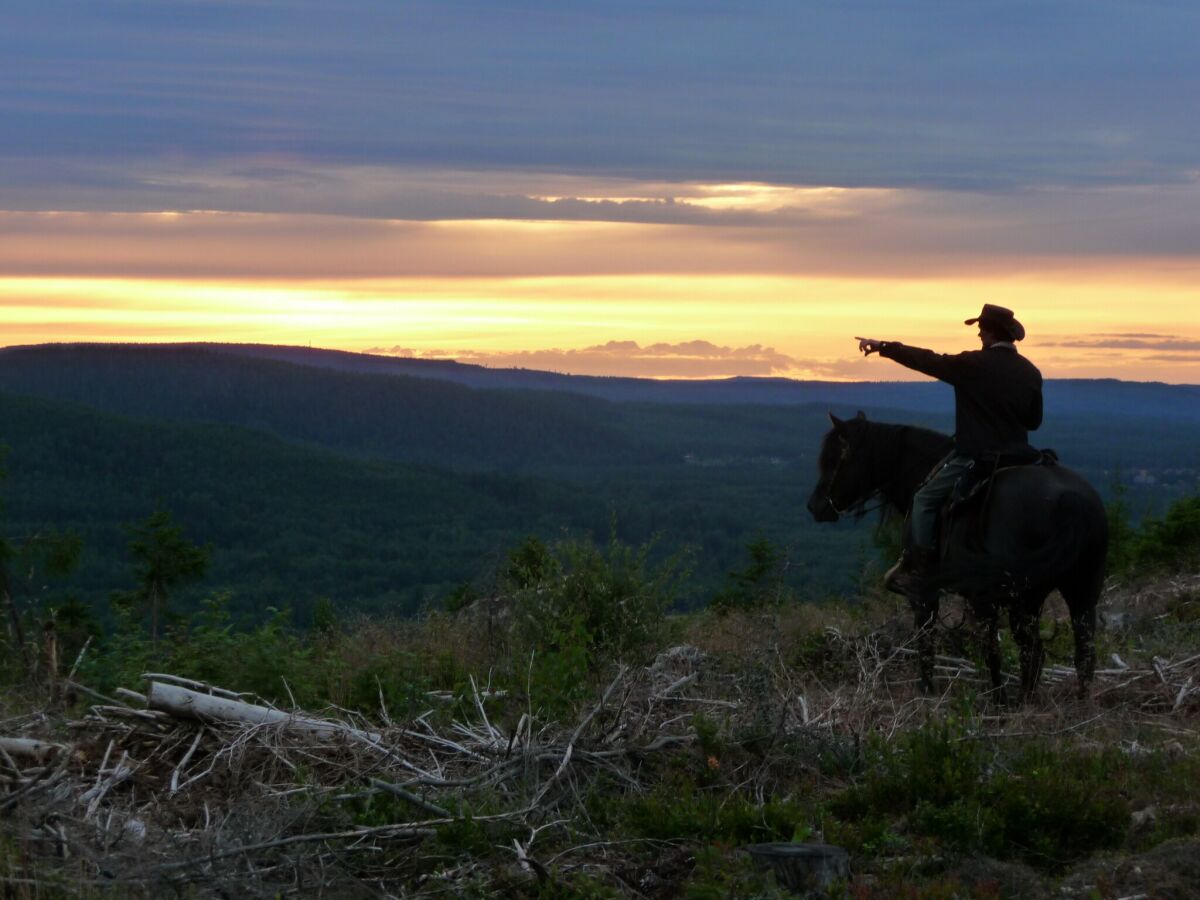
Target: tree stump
802	867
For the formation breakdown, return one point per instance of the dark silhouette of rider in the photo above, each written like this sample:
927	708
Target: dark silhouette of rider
997	402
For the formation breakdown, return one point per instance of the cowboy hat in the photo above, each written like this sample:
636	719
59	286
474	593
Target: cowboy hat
999	319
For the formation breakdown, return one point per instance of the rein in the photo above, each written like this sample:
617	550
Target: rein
857	507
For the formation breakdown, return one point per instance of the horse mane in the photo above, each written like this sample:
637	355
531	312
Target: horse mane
907	453
925	437
890	435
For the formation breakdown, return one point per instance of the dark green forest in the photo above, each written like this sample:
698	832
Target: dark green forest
385	493
289	524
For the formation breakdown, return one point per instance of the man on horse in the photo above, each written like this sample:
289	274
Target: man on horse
997	400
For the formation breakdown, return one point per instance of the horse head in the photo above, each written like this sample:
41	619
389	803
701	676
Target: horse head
844	473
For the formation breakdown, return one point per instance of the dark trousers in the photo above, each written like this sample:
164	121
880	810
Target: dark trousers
928	500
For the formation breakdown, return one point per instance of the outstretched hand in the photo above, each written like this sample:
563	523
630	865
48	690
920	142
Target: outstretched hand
869	345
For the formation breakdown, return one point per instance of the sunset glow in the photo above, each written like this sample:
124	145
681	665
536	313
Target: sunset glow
728	203
808	323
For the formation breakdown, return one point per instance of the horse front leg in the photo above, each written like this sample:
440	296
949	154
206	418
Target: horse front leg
1023	619
924	607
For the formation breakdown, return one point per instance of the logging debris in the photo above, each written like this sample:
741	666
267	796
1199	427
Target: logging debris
187	786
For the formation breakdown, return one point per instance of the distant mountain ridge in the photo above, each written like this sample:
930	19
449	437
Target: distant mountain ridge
1063	396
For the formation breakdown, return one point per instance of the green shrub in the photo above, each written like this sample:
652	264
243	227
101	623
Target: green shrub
1172	542
937	764
682	810
582	607
724	874
560	665
757	585
1052	808
461	597
1044	806
530	564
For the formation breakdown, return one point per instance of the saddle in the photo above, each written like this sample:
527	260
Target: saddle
974	487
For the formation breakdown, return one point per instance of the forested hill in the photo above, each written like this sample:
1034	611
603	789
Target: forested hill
390	417
215	370
433	421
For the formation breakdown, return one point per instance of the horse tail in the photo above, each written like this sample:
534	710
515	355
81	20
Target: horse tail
1080	531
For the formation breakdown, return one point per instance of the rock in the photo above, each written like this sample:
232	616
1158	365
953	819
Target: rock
1144	817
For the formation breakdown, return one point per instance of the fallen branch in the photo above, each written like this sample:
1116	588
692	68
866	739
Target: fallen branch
562	766
420	802
426	828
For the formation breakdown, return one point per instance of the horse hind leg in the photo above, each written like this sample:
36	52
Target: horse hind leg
1023	618
988	625
1082	594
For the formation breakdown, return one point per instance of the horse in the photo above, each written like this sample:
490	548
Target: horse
1040	528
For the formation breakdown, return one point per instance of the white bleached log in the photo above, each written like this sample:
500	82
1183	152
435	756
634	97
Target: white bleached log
26	747
188	704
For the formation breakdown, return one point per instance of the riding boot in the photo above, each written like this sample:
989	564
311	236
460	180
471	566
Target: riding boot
911	573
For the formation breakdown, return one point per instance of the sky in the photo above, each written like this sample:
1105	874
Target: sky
663	188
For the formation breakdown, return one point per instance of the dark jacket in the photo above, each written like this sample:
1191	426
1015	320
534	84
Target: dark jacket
997	394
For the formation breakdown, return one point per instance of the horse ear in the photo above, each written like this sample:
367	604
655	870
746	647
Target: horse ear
861	415
837	423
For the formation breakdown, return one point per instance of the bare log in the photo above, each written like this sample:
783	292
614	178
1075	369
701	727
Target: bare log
26	747
188	704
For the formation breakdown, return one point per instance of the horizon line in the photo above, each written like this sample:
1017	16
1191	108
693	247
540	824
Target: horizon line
433	361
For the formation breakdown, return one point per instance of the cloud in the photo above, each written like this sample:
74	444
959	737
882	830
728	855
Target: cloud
1173	358
290	186
1130	334
667	229
1159	343
866	93
688	359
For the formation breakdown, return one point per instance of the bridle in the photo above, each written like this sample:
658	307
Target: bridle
857	507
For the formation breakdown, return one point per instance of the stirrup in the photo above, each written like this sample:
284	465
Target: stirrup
899	573
910	575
